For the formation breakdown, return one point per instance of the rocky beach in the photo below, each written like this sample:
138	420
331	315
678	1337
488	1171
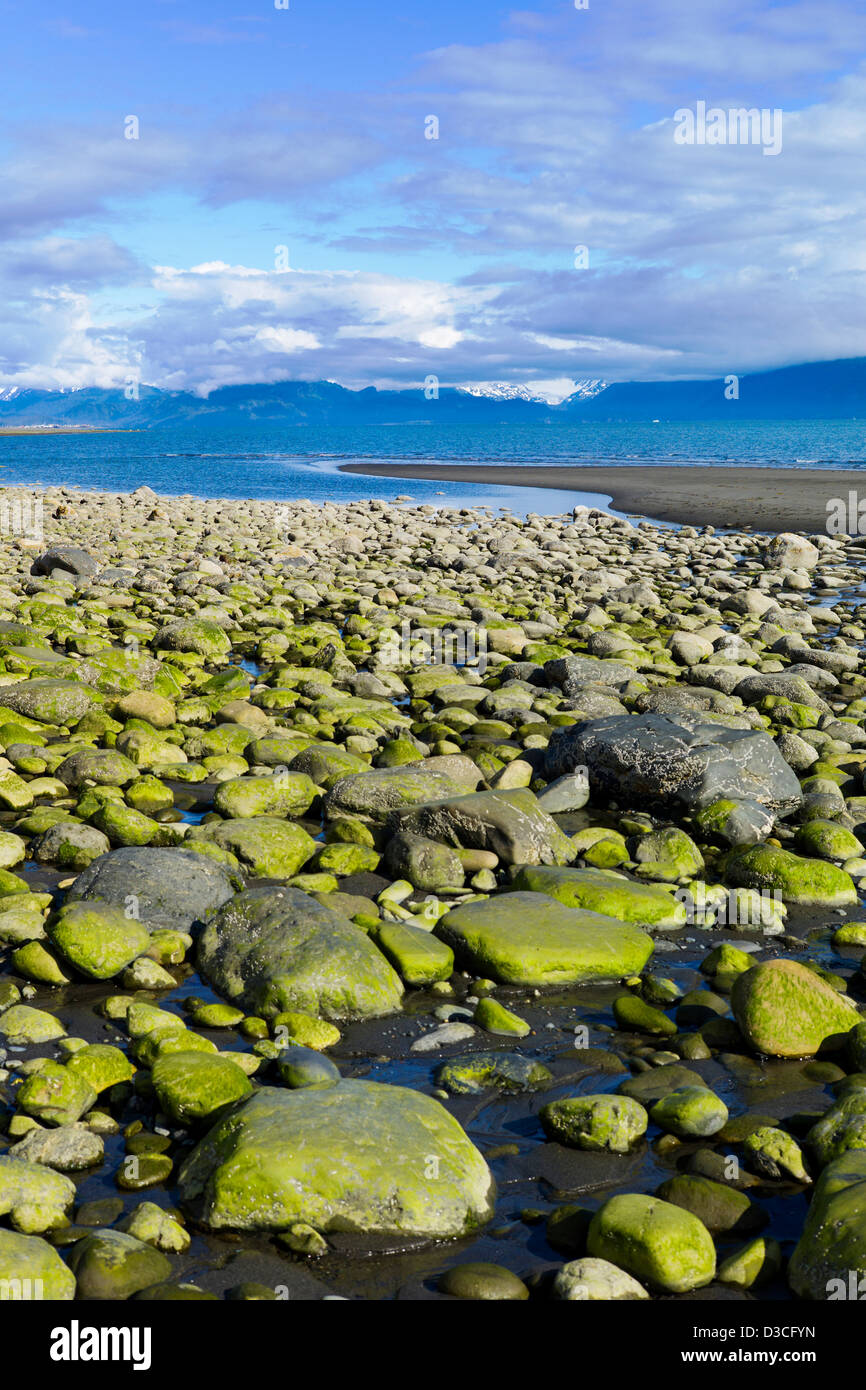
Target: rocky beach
428	903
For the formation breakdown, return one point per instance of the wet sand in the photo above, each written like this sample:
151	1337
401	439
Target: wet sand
765	499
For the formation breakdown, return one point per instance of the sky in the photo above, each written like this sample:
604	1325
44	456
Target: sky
206	192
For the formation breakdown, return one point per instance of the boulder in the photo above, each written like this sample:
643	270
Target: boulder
648	760
786	1010
273	949
354	1157
167	887
531	939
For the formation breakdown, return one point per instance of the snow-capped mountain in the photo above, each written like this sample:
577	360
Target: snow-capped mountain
553	393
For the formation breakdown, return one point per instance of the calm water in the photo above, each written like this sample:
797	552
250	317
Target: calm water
269	460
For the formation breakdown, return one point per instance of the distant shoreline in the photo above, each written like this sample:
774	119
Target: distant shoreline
763	499
63	429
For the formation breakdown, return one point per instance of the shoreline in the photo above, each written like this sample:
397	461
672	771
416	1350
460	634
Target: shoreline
739	498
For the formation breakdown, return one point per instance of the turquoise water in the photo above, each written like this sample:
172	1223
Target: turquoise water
267	460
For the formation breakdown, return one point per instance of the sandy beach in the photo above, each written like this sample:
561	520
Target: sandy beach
761	499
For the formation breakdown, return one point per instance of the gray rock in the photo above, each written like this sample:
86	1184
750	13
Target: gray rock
649	760
275	949
171	887
510	823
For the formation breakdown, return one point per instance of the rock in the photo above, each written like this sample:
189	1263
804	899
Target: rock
111	1265
790	551
445	1036
493	1017
753	1264
50	701
34	1198
195	1086
649	760
809	882
70	846
69	1149
104	766
656	1242
785	1010
530	939
272	949
567	793
476	1072
266	846
96	939
774	1154
595	1281
509	823
22	1024
429	866
603	891
483	1283
373	794
198	635
597	1123
719	1207
169	888
303	1066
31	1270
69	559
285	794
355	1156
149	1223
668	856
55	1095
690	1112
419	957
831	1253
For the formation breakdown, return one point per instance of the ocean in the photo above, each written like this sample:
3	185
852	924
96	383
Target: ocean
274	460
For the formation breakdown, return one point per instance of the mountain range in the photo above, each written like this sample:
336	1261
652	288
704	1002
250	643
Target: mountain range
813	391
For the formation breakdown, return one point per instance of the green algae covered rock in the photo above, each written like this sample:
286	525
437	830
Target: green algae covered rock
286	794
785	1010
810	882
98	940
690	1112
101	1065
832	1246
668	856
272	949
50	701
55	1095
656	1242
720	1208
531	939
600	890
23	1024
31	1270
598	1123
476	1072
193	1086
111	1265
357	1156
755	1263
34	1198
418	956
266	846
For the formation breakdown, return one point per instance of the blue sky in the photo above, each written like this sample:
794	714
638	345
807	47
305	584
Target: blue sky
261	128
